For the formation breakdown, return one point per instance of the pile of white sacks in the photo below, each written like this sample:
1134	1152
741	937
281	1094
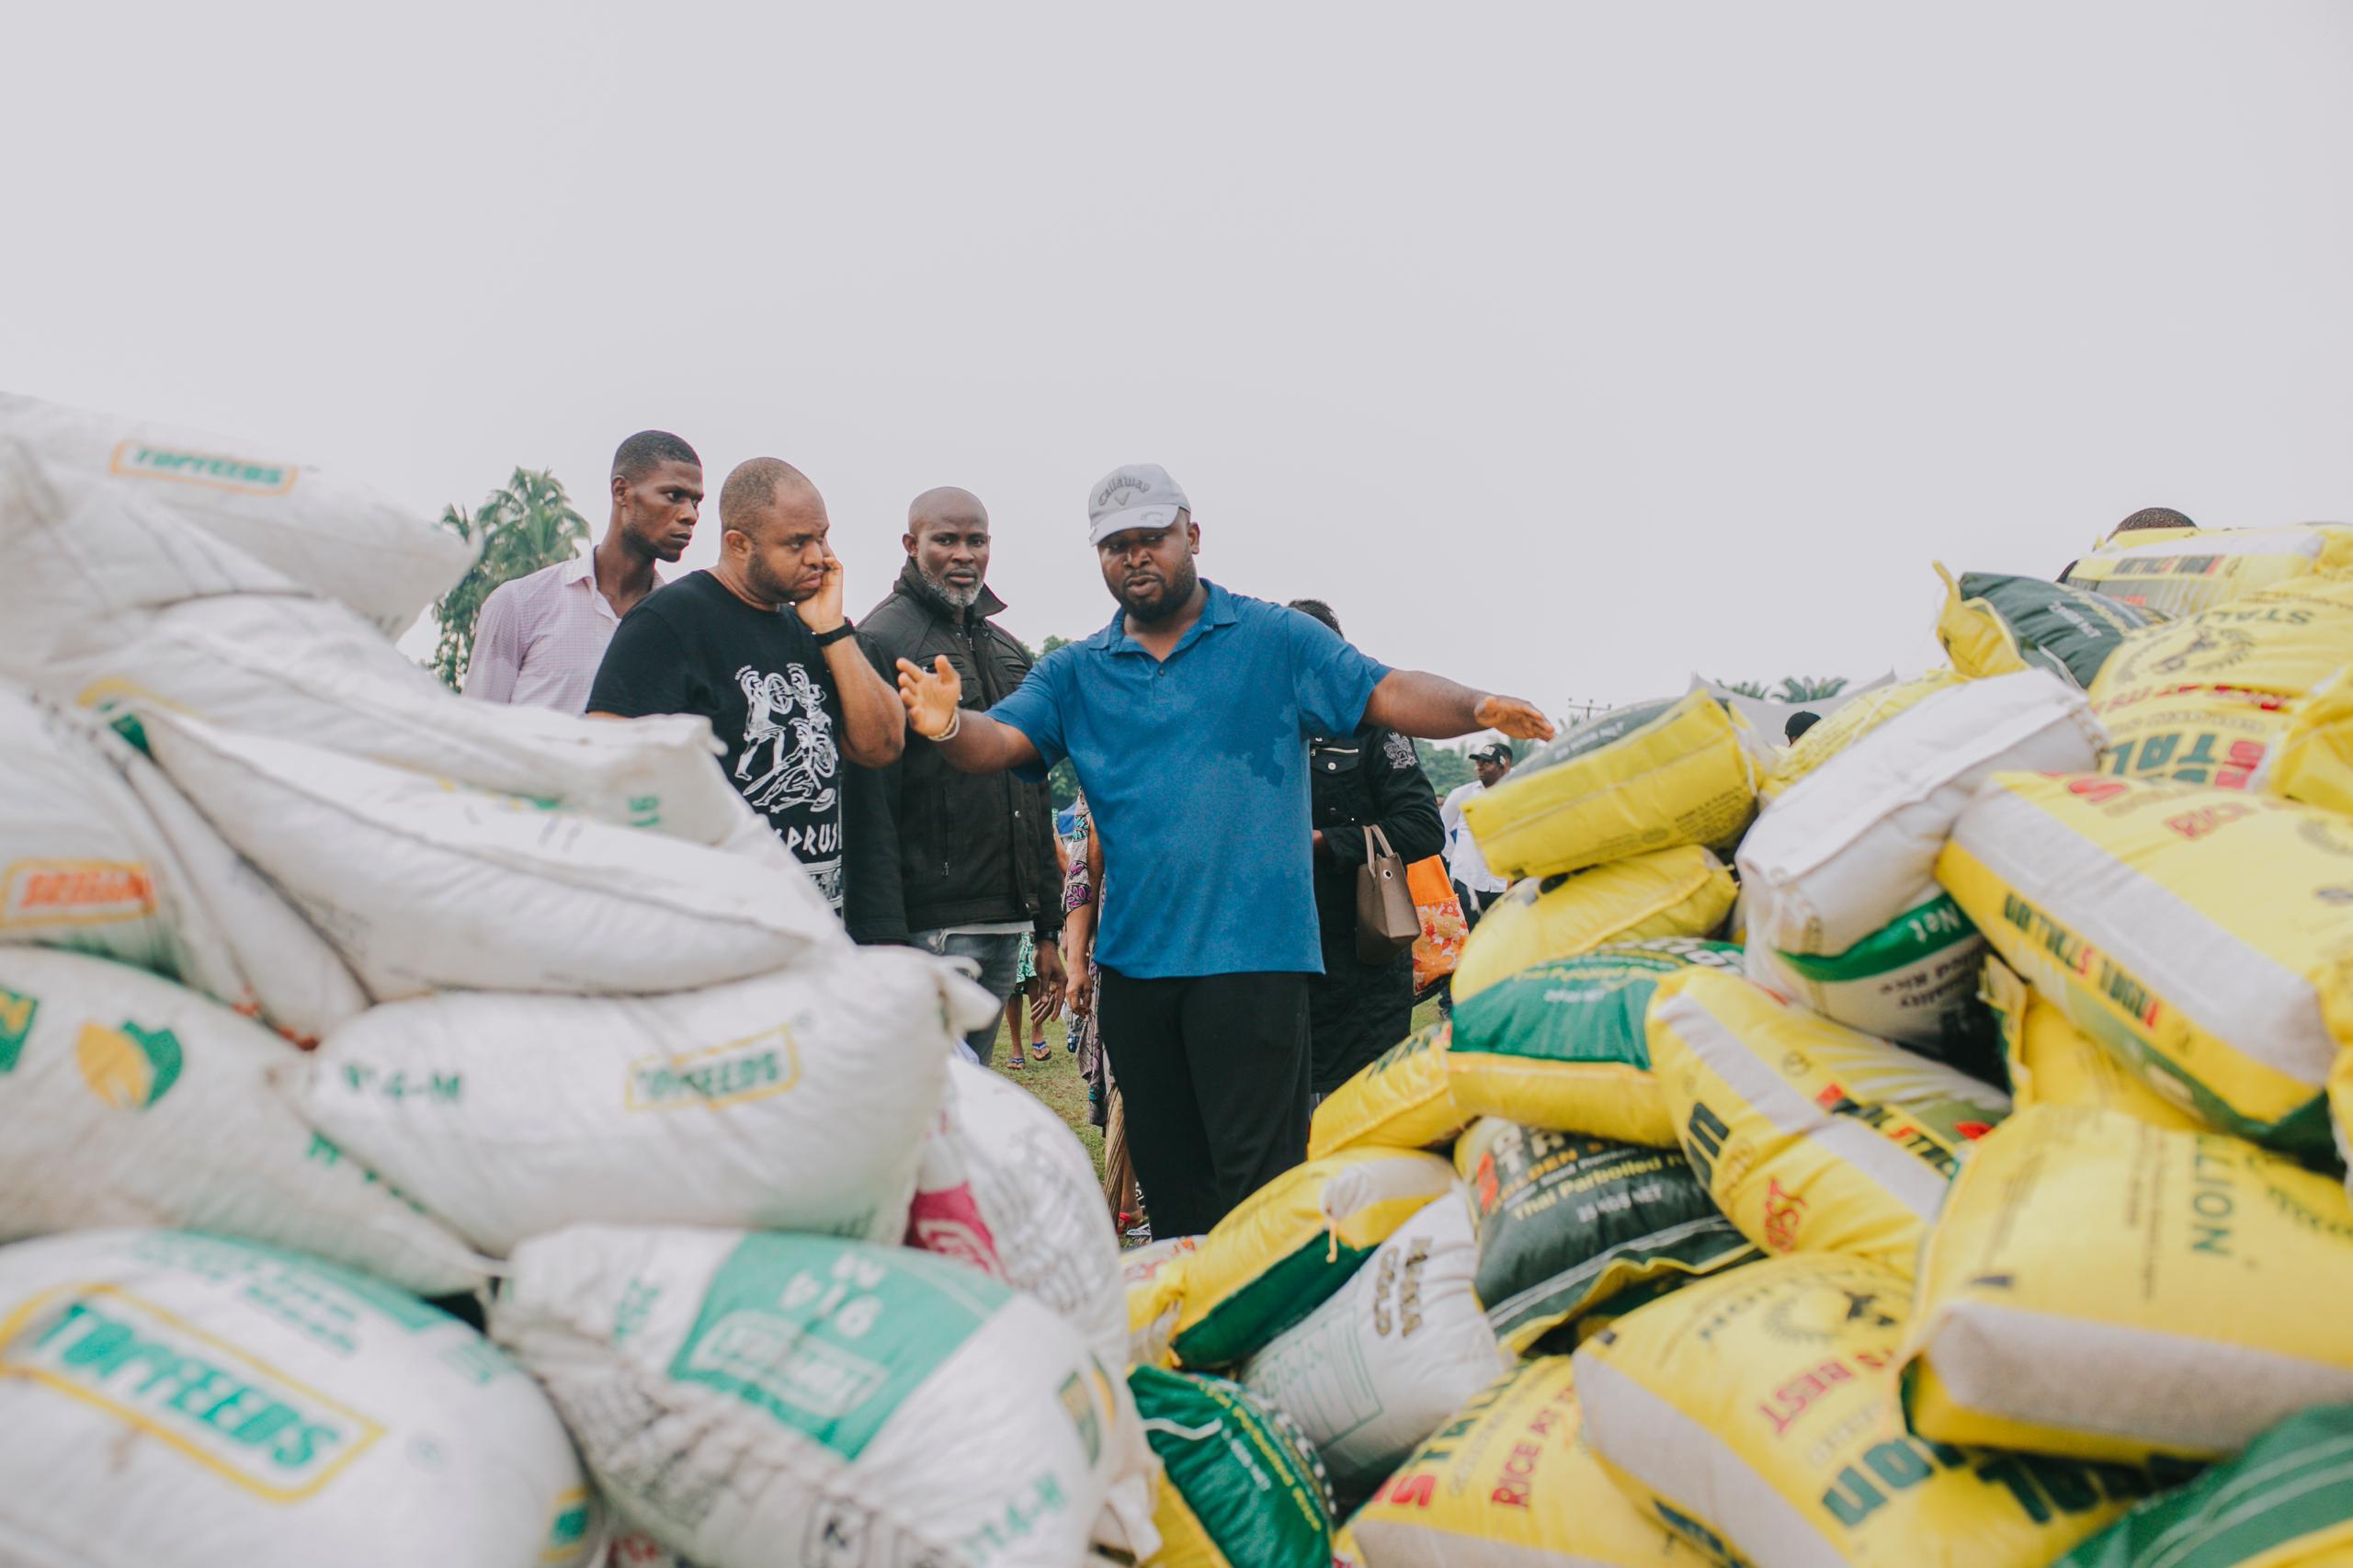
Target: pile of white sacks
323	991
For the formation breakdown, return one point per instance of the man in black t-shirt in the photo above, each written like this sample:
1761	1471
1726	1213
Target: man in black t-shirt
759	646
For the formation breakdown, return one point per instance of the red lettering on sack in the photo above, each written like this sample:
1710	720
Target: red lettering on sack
1784	1211
1793	1398
36	891
2197	824
1520	1475
1411	1491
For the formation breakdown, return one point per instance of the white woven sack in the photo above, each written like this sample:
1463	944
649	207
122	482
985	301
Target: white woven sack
130	1101
328	534
293	979
1914	983
81	867
1853	845
1008	1188
181	1399
424	886
1405	1345
310	670
752	1399
797	1100
99	854
76	563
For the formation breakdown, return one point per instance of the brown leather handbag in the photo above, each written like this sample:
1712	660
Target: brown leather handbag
1387	922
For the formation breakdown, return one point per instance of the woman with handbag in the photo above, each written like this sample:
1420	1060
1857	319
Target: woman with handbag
1374	814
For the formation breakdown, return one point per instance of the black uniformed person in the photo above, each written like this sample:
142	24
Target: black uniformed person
1371	778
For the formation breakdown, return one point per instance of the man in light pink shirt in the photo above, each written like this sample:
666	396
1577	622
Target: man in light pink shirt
540	637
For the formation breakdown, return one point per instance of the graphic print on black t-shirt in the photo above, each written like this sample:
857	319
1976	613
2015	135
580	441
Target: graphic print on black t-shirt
760	678
786	757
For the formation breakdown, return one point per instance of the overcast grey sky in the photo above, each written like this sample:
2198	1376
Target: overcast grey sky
1565	348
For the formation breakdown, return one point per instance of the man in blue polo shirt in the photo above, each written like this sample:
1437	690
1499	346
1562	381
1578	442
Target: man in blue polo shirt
1188	719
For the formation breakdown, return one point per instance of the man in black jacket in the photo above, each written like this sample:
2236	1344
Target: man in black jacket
960	864
1369	779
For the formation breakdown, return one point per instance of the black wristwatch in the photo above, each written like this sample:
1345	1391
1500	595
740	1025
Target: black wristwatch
827	638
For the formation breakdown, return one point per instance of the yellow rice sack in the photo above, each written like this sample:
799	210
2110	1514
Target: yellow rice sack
2312	759
2196	734
1849	723
1757	1413
1683	891
1511	1484
2340	1100
1629	783
1286	1249
2288	638
2202	935
1561	1045
2183	572
1400	1099
1148	1274
2204	699
1811	1137
2052	1062
2100	1289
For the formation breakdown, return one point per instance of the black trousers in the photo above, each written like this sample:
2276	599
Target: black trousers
1215	1073
1355	1010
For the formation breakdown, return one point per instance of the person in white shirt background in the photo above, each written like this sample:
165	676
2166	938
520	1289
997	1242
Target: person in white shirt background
1466	868
540	637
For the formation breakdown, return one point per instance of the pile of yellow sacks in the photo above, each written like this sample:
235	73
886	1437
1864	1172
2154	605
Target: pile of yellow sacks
1774	1291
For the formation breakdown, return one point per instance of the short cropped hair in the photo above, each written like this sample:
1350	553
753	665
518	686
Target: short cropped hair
2153	517
649	450
751	490
1320	611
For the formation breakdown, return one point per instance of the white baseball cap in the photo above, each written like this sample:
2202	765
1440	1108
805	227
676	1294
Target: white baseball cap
1134	495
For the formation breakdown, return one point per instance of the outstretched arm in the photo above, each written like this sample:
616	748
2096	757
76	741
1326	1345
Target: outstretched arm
1414	702
972	742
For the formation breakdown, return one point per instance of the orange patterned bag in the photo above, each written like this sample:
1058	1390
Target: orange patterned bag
1440	947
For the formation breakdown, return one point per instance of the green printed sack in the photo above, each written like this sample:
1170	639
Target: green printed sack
1240	1487
749	1398
1566	1223
1912	983
1561	1045
1993	624
2286	1502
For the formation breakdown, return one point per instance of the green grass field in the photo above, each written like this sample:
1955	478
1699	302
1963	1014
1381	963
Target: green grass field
1056	1080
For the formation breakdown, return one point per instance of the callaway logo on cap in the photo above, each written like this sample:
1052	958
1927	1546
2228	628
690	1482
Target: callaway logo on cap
1134	495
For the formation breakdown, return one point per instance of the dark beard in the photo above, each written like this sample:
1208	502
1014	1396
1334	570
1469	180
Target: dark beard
767	585
1180	593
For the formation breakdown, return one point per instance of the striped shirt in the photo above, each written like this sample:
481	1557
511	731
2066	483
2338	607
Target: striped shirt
540	637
